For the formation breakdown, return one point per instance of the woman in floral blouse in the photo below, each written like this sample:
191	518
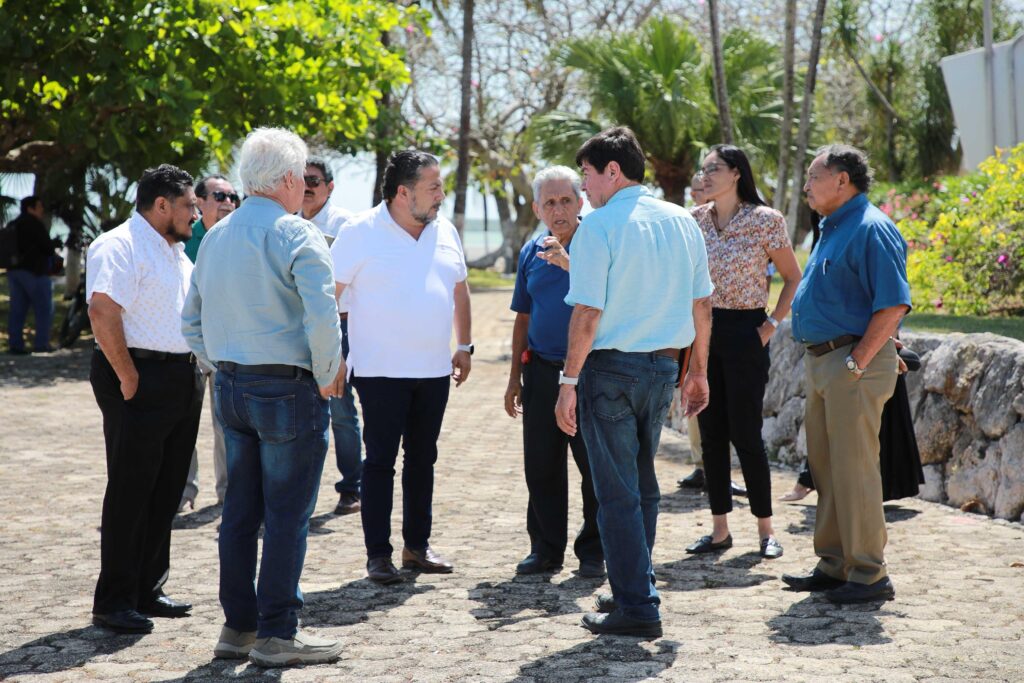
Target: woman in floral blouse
742	234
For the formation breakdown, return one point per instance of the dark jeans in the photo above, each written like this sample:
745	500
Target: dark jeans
737	375
275	433
623	401
545	448
149	442
35	291
407	412
348	446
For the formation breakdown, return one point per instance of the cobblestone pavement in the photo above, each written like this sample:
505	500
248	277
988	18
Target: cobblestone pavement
959	614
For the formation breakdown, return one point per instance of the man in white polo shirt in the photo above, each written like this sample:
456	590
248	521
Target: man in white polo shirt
406	272
348	451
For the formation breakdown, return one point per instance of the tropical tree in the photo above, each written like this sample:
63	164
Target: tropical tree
786	125
718	72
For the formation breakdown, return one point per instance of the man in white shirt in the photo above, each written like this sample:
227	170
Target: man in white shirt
149	390
348	446
406	272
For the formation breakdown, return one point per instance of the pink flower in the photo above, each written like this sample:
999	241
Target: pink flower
965	200
937	303
410	29
949	259
913	216
879	37
886	209
1003	258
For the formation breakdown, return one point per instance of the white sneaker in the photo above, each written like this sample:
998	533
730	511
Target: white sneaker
234	644
303	648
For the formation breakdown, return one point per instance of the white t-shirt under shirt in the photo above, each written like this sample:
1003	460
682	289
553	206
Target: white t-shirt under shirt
147	277
329	220
403	294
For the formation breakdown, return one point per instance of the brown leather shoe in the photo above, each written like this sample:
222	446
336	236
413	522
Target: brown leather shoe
381	570
426	561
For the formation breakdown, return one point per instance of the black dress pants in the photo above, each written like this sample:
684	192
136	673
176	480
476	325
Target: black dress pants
545	450
737	376
149	442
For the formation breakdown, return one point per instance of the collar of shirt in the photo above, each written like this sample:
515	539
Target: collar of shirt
836	217
626	193
384	219
145	231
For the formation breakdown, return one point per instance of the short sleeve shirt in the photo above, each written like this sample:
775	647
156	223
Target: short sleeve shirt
540	293
738	253
329	220
403	294
147	277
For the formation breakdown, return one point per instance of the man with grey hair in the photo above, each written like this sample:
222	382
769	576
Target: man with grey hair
278	362
540	336
850	302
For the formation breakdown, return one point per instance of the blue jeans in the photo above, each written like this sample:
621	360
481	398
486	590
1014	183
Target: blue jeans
29	289
348	444
623	401
275	433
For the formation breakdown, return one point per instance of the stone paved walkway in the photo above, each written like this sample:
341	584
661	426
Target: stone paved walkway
959	613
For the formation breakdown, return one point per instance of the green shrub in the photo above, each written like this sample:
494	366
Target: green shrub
966	240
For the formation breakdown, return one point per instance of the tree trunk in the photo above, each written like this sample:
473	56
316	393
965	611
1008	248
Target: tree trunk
462	171
383	125
721	91
804	134
786	129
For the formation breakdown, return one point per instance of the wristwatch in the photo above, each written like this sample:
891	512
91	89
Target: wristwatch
564	379
851	365
468	348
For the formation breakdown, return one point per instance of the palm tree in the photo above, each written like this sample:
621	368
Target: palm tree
462	170
786	127
718	71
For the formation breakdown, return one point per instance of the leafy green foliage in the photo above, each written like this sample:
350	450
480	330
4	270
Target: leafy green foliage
967	240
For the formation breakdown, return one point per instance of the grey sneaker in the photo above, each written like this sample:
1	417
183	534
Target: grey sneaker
234	644
303	648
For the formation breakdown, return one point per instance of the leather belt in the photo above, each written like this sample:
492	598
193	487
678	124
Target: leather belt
146	354
831	345
343	315
272	369
669	353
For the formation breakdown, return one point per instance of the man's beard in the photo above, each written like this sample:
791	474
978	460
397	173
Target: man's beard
424	217
177	235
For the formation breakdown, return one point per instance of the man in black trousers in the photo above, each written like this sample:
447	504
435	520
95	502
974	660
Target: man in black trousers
540	336
148	388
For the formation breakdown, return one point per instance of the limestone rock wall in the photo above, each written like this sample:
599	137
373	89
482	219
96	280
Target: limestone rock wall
968	406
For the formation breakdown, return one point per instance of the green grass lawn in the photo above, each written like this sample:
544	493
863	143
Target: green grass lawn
481	278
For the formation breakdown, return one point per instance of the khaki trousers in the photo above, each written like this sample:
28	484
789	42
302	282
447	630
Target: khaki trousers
843	417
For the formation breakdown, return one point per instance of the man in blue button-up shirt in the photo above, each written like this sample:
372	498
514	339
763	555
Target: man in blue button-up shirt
851	299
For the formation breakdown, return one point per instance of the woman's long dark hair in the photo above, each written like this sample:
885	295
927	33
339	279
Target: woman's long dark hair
734	158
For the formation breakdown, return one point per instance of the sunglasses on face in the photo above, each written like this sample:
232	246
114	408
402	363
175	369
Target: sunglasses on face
314	180
221	196
708	170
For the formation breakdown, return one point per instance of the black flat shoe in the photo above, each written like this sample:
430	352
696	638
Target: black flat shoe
809	583
618	624
383	571
163	606
591	569
535	563
770	548
850	593
125	621
606	603
695	480
704	544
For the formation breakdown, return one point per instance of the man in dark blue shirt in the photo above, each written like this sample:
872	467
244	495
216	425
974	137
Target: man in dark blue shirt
850	302
540	339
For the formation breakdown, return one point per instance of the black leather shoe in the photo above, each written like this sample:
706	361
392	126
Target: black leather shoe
770	548
737	490
813	582
426	561
382	570
125	621
704	544
850	592
163	606
606	603
618	624
695	480
591	569
535	563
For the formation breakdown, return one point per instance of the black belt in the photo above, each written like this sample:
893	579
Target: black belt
146	354
831	345
544	361
669	353
272	369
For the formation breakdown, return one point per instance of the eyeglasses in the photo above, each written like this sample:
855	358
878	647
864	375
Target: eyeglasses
221	196
708	170
314	180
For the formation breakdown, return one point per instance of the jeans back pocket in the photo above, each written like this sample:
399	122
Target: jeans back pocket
611	394
272	417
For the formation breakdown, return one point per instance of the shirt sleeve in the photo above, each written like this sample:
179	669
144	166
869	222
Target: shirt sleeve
192	322
345	257
311	270
884	275
588	268
110	271
463	270
702	286
521	300
778	235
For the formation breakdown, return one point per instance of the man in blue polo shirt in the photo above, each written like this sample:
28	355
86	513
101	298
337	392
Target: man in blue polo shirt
540	336
850	302
640	286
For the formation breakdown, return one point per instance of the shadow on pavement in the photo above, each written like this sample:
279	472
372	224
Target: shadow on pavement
522	597
46	369
230	670
816	621
895	513
199	518
316	524
63	651
353	602
806	525
698	572
618	658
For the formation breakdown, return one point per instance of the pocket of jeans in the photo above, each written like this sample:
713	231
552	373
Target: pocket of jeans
611	395
273	418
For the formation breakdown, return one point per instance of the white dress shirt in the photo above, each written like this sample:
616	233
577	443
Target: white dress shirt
147	277
330	219
403	294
